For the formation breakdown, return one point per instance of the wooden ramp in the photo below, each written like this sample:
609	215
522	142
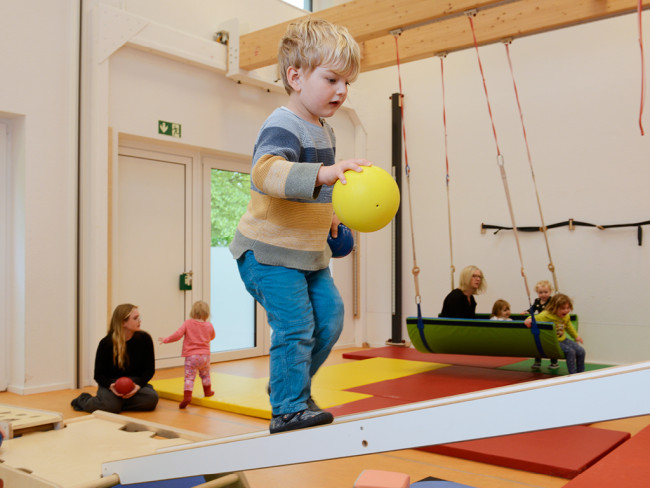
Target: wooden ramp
605	394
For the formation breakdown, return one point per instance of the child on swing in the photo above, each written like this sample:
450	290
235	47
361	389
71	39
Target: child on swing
500	310
544	290
558	311
197	333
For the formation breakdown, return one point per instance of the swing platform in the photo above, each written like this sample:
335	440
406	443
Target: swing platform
485	337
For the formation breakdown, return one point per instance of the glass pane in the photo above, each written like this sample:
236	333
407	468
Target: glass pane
303	4
232	308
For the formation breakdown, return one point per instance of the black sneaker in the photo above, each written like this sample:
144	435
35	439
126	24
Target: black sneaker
300	420
76	402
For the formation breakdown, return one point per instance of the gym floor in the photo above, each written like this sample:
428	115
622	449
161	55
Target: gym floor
323	474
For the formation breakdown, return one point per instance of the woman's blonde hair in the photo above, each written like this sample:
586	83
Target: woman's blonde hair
310	43
200	311
557	301
465	279
498	307
116	331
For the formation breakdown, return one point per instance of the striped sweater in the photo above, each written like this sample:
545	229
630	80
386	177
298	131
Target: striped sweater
288	218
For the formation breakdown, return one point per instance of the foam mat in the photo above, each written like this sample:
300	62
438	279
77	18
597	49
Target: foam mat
248	396
627	466
564	452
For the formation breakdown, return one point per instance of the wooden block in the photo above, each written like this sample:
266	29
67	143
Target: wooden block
19	421
372	478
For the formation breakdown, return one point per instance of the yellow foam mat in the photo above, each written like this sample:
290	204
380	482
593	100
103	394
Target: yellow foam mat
248	396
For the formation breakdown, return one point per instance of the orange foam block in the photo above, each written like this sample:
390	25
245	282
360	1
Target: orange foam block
372	478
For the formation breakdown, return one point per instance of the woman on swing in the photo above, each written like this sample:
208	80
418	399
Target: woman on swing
460	303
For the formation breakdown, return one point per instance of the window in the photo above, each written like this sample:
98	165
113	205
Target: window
303	4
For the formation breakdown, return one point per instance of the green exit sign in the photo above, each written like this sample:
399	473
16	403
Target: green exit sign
169	129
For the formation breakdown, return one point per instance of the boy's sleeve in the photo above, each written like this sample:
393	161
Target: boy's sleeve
280	178
280	167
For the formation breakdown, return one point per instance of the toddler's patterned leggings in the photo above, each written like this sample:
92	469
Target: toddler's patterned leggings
194	363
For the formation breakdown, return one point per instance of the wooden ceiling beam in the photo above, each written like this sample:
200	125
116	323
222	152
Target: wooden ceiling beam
430	27
365	19
512	20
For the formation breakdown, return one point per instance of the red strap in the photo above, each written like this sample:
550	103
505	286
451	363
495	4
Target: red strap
444	115
639	12
521	115
401	106
480	65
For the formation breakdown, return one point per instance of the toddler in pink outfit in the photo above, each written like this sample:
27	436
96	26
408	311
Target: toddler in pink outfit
197	333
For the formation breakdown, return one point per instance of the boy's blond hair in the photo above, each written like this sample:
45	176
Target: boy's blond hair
310	43
200	311
556	301
546	283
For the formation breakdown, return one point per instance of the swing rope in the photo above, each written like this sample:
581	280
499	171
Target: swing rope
416	270
500	161
551	266
452	268
640	17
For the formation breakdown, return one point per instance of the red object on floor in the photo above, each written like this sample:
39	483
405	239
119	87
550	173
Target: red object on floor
626	466
397	352
444	382
565	452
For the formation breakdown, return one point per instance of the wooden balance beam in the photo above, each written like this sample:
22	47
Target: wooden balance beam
605	394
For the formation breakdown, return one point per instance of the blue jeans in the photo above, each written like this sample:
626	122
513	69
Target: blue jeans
574	354
305	312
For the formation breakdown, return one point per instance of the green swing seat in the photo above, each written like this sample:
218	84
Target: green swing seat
485	337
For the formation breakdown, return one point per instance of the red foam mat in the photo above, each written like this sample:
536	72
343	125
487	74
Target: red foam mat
398	352
366	405
627	466
443	382
565	452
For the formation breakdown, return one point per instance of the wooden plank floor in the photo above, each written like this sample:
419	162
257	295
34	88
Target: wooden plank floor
336	473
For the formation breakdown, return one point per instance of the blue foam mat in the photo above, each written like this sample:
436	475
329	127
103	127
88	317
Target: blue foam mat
175	483
437	483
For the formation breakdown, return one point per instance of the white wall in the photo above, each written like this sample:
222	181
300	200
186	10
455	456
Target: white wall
580	94
38	100
134	89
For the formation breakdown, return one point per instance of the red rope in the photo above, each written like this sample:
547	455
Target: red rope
480	65
444	115
401	107
521	115
639	11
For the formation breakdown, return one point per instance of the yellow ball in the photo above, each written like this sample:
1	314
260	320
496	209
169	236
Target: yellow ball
368	201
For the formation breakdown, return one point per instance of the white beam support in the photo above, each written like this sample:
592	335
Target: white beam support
240	75
605	394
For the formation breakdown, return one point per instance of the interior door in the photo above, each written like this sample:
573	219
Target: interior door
152	242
